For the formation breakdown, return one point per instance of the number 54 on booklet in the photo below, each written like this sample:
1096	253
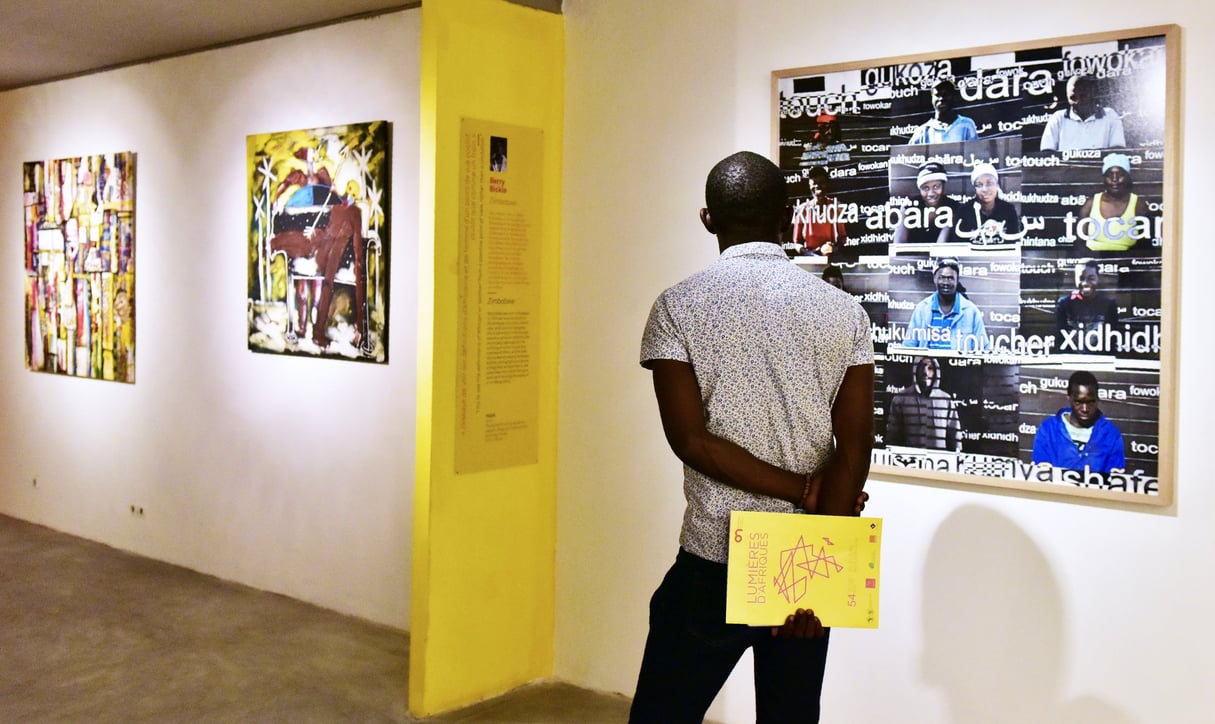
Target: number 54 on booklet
780	562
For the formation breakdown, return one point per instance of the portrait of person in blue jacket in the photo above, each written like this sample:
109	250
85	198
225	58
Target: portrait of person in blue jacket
1079	437
946	319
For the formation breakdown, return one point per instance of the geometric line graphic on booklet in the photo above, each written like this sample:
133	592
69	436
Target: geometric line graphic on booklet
801	563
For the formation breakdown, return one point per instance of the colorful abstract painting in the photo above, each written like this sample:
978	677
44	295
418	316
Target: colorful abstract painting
318	242
80	266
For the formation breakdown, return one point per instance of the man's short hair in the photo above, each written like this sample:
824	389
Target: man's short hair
945	262
819	173
945	86
1084	264
1081	378
832	271
1085	78
745	189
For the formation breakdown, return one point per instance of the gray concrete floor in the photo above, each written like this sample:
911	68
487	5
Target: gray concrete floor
91	634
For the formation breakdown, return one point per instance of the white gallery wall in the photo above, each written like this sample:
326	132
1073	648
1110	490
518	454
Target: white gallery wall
997	606
288	474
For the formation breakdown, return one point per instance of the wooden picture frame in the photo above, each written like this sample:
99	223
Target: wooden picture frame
1044	176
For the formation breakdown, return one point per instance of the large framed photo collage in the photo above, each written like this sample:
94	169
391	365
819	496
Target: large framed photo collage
1003	215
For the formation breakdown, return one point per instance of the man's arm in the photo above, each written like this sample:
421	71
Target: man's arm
1141	210
1117	459
979	330
970	132
683	421
1049	142
900	229
1087	208
1012	220
894	421
920	318
947	229
1117	136
953	441
1061	319
1044	447
836	487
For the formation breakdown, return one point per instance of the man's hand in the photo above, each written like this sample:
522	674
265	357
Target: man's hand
810	502
802	624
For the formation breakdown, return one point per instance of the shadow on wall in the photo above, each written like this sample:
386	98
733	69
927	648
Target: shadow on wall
994	639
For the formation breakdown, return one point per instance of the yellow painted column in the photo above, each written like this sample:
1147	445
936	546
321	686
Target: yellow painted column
484	542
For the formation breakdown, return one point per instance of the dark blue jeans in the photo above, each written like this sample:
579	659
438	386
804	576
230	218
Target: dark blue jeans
691	651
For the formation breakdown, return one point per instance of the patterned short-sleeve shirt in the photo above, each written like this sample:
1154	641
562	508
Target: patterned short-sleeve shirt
770	344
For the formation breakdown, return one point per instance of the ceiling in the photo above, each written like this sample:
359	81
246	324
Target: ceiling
45	40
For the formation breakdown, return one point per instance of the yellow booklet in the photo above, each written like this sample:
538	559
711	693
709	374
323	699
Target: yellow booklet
780	562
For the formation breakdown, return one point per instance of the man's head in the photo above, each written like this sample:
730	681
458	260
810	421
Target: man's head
986	180
745	196
1082	391
1087	279
931	182
1082	95
945	277
834	276
1116	174
927	374
818	180
944	98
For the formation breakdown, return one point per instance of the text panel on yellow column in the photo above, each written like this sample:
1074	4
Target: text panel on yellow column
497	378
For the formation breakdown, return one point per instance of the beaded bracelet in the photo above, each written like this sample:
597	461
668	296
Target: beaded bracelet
805	503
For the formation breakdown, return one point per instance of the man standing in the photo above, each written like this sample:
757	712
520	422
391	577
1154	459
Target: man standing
1080	437
1083	124
729	350
946	319
923	415
945	125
